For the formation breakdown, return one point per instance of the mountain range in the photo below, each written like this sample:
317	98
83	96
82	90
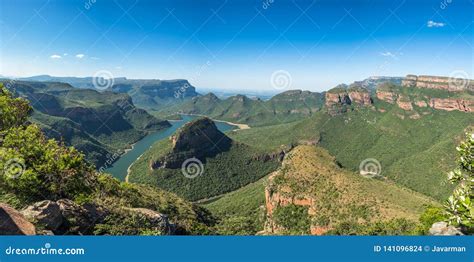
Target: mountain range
298	169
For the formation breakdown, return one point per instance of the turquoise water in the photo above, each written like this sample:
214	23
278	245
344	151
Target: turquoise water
119	168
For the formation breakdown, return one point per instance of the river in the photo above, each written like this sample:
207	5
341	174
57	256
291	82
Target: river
119	167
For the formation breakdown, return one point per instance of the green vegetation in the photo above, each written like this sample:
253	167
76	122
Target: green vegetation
331	198
413	152
393	227
35	169
155	95
294	219
225	172
285	107
460	204
240	212
98	124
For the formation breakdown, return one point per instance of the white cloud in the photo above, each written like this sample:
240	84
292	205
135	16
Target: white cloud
65	54
432	23
55	57
80	56
387	54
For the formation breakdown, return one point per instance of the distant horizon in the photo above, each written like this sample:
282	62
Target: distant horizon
264	92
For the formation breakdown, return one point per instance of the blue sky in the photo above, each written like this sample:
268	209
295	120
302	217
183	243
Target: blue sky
237	45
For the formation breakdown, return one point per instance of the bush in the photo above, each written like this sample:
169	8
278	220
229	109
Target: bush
293	218
460	204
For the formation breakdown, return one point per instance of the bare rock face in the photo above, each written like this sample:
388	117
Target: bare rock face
276	199
443	229
159	221
45	213
386	96
404	103
77	219
438	82
449	104
12	222
338	98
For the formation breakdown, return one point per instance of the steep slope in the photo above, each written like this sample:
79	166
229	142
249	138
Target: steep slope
155	94
414	146
60	193
152	94
285	107
98	123
201	162
310	194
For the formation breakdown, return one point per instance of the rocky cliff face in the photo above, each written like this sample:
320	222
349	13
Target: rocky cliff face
452	104
407	99
339	98
310	194
199	139
438	82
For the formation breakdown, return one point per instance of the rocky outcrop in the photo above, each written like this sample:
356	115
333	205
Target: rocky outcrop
386	96
337	99
438	82
444	229
64	217
46	213
157	220
12	222
78	220
274	199
405	100
449	104
404	103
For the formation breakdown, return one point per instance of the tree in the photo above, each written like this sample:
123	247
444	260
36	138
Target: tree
460	203
33	167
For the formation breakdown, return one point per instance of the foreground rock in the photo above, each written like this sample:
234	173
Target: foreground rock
158	221
443	229
45	213
13	222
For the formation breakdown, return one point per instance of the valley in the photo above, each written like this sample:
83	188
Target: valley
295	171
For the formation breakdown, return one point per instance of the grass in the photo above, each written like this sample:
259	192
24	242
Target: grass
415	153
338	196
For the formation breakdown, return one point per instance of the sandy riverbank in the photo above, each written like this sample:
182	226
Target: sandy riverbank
240	126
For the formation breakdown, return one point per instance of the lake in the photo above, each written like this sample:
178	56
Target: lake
119	167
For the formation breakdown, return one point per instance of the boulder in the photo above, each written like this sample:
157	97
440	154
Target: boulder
159	221
78	220
12	222
45	213
444	229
